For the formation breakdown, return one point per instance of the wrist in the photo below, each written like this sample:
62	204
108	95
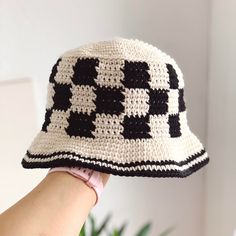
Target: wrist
71	186
93	179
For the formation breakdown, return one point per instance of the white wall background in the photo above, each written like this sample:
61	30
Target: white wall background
35	33
221	175
17	127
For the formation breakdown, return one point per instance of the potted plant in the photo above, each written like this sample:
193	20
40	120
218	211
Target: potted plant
98	230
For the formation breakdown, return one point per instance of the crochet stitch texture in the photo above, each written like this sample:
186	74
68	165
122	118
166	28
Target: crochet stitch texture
118	107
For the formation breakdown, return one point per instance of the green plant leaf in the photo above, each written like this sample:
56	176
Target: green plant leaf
144	230
104	224
82	231
167	231
122	228
93	228
115	233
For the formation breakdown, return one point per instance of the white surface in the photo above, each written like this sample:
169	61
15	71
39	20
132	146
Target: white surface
17	128
34	34
221	176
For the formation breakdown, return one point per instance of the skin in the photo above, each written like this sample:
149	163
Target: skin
58	205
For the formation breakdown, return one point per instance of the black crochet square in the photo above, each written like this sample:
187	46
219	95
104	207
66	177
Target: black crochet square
174	125
174	82
136	75
47	119
109	100
136	127
85	71
182	106
81	124
158	99
62	97
54	71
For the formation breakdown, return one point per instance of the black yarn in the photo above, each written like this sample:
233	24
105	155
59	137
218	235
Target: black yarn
158	99
109	100
54	71
47	120
174	125
182	106
136	75
174	82
85	71
81	124
136	127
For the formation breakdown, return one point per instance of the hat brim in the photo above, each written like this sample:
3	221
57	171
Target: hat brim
162	157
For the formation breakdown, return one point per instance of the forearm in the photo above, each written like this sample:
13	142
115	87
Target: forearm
58	206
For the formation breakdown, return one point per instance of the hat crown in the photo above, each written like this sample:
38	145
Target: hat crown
99	92
120	48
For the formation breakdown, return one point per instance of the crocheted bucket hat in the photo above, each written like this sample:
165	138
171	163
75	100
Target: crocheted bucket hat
118	107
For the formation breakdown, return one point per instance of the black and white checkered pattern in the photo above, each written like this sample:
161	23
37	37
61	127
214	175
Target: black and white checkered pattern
131	102
117	107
